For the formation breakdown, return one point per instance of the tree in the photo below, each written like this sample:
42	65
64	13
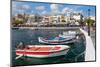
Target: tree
63	18
90	21
17	22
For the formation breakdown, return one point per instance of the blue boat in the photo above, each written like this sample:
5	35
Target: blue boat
56	40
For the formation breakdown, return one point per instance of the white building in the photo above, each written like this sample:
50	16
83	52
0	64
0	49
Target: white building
92	17
31	19
46	19
54	19
60	19
77	16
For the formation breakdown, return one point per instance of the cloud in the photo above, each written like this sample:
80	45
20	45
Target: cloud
55	8
14	10
40	8
44	12
13	4
24	7
78	11
65	10
69	10
18	7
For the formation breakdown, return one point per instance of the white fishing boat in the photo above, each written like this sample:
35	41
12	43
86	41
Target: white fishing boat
43	51
68	34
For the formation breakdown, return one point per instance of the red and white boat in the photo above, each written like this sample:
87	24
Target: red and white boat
43	51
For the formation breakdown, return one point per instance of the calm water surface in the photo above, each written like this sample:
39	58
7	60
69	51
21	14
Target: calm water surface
75	54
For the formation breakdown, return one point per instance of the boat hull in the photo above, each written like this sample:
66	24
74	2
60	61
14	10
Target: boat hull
66	36
64	42
52	52
45	55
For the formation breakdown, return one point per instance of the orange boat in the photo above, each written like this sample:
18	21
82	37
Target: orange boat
43	51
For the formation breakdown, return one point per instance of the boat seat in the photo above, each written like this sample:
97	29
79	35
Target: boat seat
56	48
37	48
34	48
44	49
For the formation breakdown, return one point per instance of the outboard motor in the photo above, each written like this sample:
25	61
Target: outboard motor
21	46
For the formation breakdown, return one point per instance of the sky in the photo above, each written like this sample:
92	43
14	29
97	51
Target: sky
50	8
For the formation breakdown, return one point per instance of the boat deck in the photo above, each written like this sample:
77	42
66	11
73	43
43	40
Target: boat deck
42	48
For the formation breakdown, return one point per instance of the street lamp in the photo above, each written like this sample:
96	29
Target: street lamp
88	22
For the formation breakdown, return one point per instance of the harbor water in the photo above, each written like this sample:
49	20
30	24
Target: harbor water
30	37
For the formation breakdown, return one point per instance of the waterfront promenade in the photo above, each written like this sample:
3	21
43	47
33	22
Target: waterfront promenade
90	50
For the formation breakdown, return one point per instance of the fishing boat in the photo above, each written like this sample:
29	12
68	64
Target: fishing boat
69	34
56	40
43	51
